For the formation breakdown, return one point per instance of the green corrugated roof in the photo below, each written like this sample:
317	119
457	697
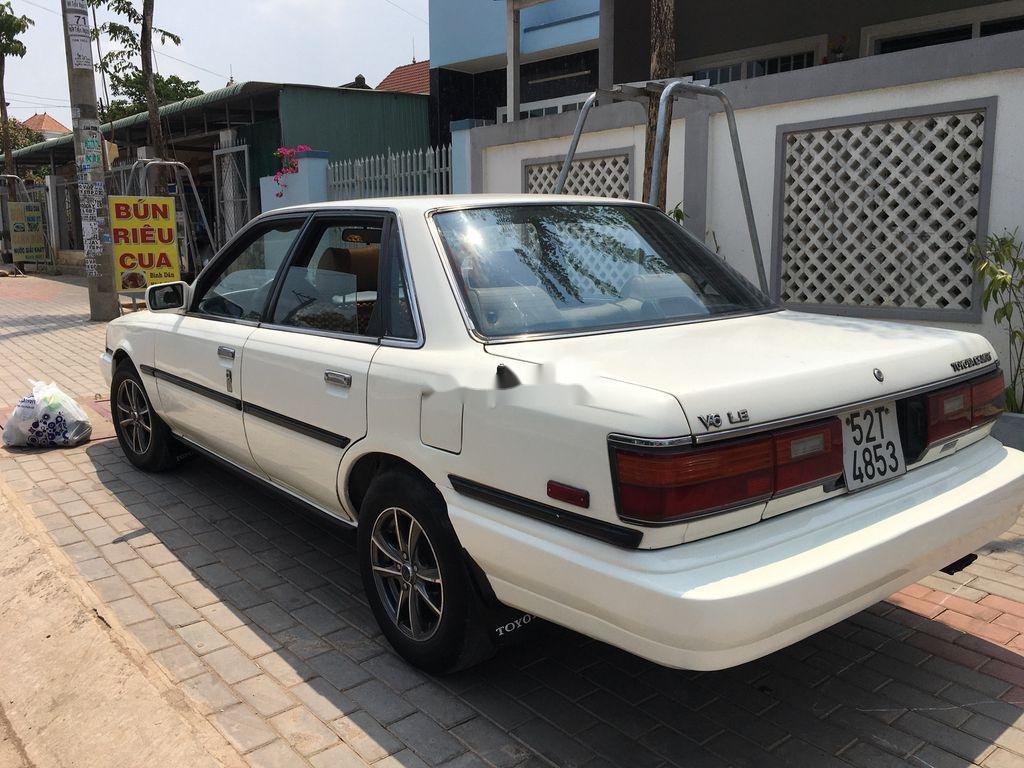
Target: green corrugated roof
203	100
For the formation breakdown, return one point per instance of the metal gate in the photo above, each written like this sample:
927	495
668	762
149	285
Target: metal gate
231	190
25	236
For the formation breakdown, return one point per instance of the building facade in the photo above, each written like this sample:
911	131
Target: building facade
570	47
879	140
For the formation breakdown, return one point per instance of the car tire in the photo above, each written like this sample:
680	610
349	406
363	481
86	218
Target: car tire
146	440
422	595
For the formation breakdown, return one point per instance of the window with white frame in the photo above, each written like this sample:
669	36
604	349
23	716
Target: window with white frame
757	62
939	28
555	106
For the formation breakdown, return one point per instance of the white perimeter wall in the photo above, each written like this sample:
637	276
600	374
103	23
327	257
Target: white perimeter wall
758	129
503	164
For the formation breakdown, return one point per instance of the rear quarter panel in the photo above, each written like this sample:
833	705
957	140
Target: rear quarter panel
514	439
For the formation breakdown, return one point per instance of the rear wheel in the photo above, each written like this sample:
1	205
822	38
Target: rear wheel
146	440
416	581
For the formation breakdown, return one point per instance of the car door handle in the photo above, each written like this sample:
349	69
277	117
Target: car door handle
338	378
226	352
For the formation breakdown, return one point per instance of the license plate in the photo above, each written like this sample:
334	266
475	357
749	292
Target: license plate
872	452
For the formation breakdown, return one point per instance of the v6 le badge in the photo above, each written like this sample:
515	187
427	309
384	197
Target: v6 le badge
739	417
711	421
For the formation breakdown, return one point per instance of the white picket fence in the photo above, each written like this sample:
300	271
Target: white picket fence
425	171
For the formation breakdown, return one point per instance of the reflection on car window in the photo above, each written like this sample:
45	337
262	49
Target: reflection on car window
242	285
333	285
549	268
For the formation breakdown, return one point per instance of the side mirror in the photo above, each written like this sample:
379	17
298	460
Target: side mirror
168	297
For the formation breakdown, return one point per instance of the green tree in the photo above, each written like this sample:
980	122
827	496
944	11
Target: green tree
11	26
133	94
22	136
129	65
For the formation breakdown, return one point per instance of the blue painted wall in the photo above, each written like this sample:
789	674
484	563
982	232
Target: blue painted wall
464	30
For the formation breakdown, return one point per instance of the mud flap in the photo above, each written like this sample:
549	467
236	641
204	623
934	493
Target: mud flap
505	625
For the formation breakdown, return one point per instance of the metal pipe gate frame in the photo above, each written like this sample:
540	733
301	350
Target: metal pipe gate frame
670	89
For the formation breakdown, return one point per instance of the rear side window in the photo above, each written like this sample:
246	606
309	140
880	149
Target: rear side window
398	296
332	285
241	281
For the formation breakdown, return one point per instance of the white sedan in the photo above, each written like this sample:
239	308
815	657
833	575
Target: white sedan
569	408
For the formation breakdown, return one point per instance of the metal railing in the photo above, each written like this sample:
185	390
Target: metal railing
666	91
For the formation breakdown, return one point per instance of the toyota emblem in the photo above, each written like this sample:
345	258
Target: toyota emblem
879	375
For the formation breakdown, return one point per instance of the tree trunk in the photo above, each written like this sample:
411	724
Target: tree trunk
8	152
663	63
156	131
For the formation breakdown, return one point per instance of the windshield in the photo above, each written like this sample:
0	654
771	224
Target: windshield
549	268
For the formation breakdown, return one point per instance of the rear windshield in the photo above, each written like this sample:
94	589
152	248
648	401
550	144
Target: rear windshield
566	268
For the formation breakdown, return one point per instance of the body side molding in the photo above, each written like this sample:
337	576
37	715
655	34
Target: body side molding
609	533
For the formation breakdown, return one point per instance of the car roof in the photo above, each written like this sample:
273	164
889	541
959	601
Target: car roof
420	204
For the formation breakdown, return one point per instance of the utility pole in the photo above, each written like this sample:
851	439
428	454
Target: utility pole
92	194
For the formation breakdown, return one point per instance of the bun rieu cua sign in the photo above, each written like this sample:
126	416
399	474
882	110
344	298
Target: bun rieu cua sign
145	238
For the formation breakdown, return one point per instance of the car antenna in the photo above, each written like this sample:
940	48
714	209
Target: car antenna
507	378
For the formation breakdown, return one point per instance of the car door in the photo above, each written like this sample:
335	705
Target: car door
305	368
198	359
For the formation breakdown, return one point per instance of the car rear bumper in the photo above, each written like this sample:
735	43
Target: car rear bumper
725	600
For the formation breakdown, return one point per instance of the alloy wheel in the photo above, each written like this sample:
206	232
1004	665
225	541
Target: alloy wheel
406	573
134	417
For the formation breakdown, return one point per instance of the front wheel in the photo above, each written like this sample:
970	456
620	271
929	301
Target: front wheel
416	581
146	440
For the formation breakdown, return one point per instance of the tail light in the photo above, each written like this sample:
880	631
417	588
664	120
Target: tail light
665	488
808	456
955	410
658	488
988	399
949	413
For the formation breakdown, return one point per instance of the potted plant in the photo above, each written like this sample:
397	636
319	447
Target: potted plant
999	264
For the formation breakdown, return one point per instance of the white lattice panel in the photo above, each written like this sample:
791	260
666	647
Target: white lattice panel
882	214
606	176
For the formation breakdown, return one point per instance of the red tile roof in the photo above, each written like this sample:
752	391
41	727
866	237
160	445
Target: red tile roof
408	78
44	124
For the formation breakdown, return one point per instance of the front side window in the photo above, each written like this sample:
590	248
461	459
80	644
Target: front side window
332	286
568	268
241	282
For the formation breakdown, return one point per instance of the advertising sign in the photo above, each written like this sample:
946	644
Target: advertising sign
77	22
145	240
27	240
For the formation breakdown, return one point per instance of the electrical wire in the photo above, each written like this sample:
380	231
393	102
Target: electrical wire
161	53
41	7
62	99
189	63
406	11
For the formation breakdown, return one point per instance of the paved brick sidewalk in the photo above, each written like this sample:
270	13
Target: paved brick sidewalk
257	612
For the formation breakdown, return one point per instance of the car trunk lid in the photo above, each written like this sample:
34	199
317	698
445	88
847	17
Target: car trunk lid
745	371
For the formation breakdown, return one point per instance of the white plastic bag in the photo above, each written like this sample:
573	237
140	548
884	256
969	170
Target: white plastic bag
47	418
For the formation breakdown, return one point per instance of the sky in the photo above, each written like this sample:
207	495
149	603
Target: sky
322	42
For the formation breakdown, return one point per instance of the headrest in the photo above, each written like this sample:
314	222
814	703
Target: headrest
335	260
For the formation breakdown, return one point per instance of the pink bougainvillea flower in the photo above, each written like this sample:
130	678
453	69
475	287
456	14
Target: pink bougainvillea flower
289	164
